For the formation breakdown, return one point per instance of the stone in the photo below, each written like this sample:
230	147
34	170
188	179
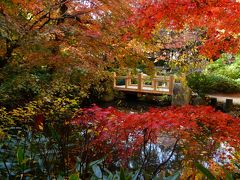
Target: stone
181	95
198	101
227	106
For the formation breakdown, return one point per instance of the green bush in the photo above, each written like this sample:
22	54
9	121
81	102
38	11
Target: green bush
225	67
212	83
18	87
221	76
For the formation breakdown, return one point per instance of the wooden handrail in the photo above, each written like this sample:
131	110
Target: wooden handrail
141	87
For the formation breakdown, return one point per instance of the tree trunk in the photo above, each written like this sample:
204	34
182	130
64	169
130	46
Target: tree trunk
10	46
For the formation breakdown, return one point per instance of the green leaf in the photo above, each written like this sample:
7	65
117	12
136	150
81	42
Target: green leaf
78	164
96	162
238	165
176	176
54	134
97	171
74	177
205	171
135	175
27	170
229	176
41	165
20	155
60	177
122	174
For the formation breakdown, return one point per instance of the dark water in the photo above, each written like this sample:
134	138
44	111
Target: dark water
136	105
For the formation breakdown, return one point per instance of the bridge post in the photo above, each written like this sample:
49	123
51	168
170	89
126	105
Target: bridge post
154	80
140	81
154	84
170	85
128	80
114	79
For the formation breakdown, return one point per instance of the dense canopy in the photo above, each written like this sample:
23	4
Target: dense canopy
77	27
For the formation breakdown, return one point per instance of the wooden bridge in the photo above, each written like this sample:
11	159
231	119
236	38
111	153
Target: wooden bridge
144	84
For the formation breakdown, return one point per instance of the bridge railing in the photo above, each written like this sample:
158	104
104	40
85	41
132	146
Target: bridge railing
157	85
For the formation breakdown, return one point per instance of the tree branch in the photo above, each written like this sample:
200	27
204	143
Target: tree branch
157	170
37	21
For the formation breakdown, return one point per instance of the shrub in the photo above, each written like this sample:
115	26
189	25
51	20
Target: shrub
212	83
21	87
18	90
221	76
225	67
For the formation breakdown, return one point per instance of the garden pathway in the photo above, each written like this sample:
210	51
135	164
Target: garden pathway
223	97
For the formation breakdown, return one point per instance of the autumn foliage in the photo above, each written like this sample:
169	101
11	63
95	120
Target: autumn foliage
197	130
61	33
66	29
218	18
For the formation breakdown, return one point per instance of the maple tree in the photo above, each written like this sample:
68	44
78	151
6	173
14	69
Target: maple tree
62	32
218	18
197	130
94	30
90	31
177	48
48	44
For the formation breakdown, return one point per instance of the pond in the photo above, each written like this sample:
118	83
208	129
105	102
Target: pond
98	133
138	105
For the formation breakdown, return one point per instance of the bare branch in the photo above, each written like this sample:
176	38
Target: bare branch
157	170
